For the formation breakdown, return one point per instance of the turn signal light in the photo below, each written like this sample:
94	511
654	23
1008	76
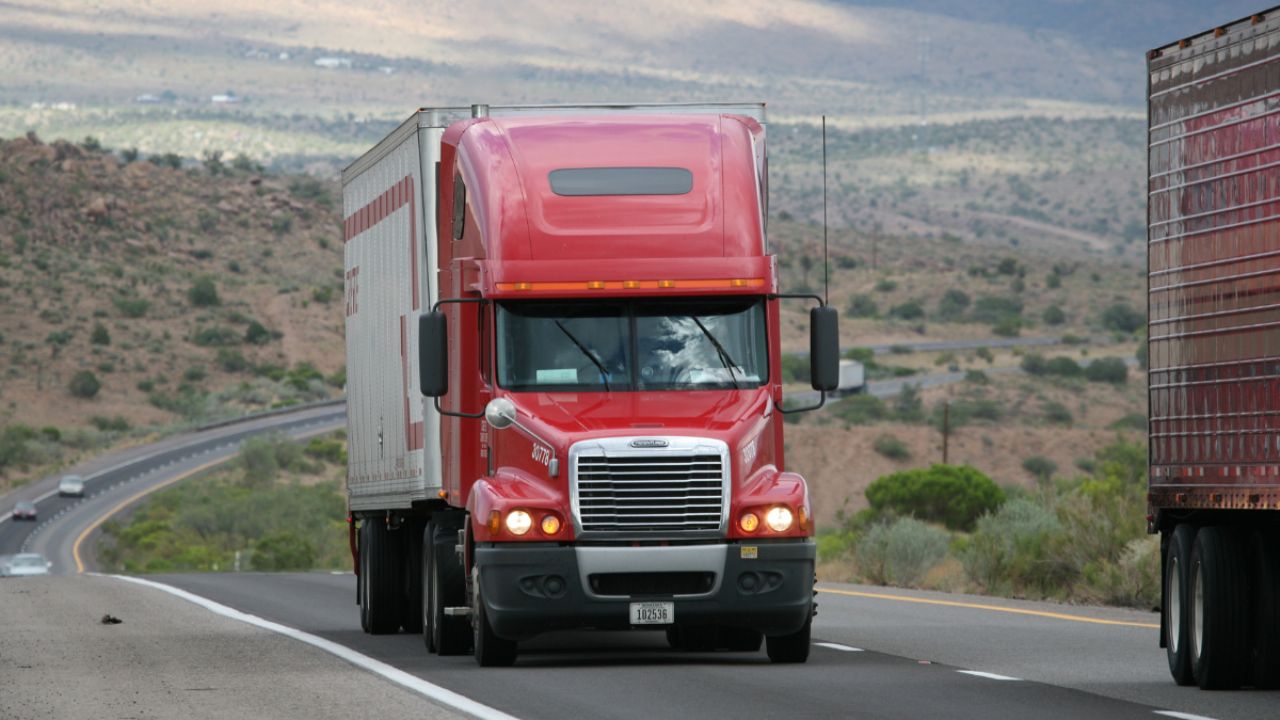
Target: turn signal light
550	525
804	518
495	522
749	522
595	285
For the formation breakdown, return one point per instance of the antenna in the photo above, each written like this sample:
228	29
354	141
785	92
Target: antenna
826	290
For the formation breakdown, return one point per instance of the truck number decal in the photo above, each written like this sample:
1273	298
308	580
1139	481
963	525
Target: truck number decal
541	454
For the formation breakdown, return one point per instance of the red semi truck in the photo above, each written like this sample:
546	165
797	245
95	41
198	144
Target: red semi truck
1214	334
564	385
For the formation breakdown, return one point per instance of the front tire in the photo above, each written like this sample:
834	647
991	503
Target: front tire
1176	626
490	650
793	648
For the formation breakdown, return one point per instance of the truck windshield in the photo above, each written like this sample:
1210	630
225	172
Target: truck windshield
650	344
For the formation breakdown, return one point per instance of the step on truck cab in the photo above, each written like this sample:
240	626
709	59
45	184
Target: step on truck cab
1214	349
564	385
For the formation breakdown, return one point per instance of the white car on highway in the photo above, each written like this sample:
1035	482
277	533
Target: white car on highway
25	565
71	486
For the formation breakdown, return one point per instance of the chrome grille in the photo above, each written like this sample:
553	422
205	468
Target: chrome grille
657	493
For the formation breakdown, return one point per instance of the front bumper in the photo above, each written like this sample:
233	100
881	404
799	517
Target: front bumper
530	589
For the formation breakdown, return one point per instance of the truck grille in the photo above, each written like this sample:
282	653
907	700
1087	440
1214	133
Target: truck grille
650	494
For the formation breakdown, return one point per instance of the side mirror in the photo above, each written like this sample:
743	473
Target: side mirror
500	413
433	353
824	348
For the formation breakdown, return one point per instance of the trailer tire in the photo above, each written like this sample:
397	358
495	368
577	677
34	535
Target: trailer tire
1177	628
1264	671
411	599
450	635
793	648
490	650
1219	611
428	616
379	571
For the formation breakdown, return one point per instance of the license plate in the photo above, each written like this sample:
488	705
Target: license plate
653	613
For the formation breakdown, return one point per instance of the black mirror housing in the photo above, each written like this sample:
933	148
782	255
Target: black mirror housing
824	348
433	354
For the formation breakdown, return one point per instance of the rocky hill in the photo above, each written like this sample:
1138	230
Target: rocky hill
151	293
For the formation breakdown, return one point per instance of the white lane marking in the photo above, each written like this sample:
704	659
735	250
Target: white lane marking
1181	715
416	684
989	676
838	646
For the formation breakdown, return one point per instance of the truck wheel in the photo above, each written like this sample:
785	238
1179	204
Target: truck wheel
490	650
1264	672
793	648
379	571
450	635
411	599
428	615
1219	610
1176	627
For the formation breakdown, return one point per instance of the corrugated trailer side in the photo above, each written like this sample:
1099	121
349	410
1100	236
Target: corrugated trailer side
1214	334
388	199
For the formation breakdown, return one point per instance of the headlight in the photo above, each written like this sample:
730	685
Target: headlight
519	522
778	519
749	522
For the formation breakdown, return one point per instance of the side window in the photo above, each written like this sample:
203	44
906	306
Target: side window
459	207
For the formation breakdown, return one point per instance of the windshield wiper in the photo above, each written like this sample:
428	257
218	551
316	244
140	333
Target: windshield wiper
604	374
720	351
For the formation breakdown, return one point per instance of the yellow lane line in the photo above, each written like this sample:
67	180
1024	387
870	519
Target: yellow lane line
994	608
75	549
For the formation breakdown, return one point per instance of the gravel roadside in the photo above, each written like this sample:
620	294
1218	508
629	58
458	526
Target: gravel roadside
168	658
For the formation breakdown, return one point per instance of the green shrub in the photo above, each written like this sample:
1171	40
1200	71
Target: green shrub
795	369
991	309
231	360
215	336
952	304
1141	354
203	292
132	307
1011	551
1053	315
966	410
1132	421
1110	370
860	409
954	495
900	553
908	406
110	424
1008	326
910	310
985	354
891	447
1057	413
1053	281
195	373
977	377
1041	467
862	305
100	335
1121	317
257	334
84	384
283	550
1063	366
327	449
885	285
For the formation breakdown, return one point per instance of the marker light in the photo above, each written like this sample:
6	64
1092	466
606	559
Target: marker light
550	525
804	518
495	522
519	522
778	519
749	522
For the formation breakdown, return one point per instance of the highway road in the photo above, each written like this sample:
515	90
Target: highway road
879	653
